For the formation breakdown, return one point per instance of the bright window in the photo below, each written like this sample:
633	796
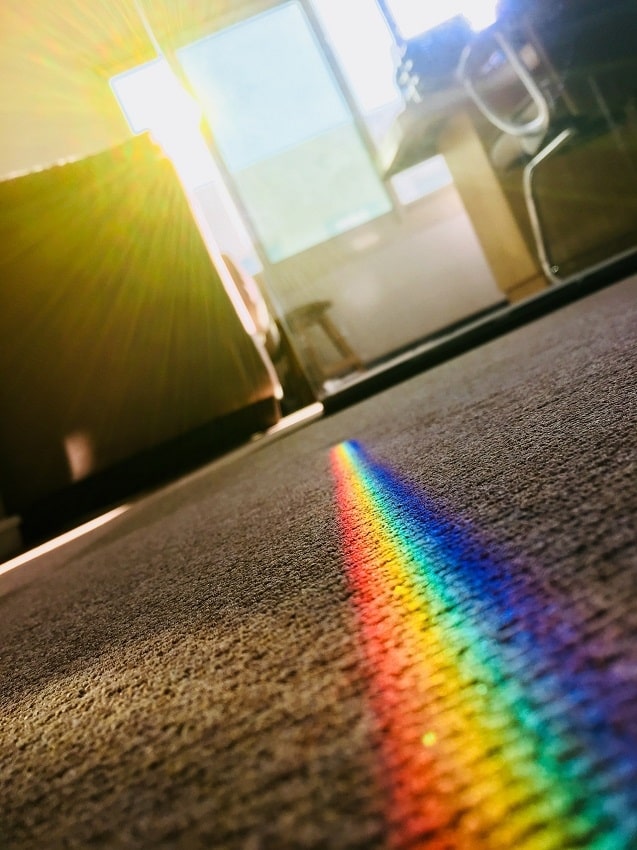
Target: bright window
415	16
284	130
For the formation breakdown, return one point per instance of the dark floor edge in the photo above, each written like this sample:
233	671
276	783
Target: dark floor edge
142	473
478	333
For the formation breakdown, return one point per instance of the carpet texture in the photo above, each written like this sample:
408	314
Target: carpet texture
409	625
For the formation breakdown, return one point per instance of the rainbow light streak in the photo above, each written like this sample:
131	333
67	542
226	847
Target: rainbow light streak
497	729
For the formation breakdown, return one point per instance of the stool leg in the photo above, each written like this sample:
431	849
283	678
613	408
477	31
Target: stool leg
312	363
350	358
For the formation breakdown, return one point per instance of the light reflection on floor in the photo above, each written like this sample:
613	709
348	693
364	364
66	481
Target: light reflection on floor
62	539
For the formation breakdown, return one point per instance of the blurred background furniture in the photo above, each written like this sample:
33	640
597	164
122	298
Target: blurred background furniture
559	79
437	120
537	121
427	63
275	337
315	330
122	356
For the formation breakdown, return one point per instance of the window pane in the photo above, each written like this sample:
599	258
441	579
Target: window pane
285	131
264	85
311	193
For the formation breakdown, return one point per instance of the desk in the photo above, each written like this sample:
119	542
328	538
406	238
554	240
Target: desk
442	125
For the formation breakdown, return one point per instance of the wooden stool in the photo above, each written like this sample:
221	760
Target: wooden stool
303	323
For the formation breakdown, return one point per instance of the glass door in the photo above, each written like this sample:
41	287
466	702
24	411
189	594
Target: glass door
358	266
285	133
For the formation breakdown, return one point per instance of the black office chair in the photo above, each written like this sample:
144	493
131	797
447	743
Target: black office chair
548	77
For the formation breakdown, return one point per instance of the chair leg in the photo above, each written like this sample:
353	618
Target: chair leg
548	267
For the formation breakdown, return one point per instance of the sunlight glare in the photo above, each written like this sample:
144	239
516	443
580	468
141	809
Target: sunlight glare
153	99
368	61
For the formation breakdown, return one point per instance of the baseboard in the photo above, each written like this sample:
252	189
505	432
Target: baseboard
10	537
497	323
78	502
